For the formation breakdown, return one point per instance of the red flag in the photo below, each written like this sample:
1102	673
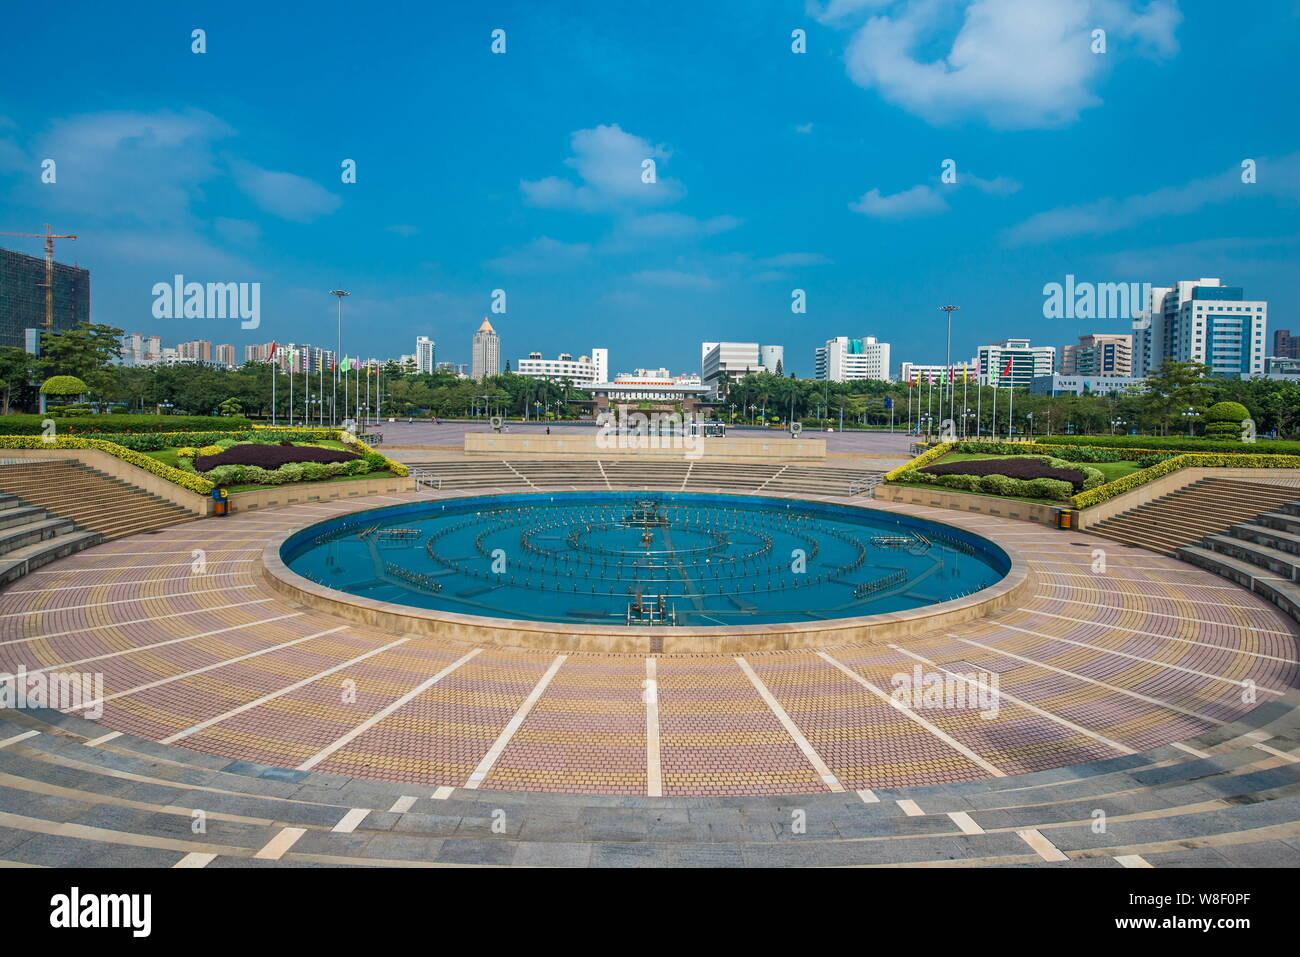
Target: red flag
911	383
271	355
1007	370
952	373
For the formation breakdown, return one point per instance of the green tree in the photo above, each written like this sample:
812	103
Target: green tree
17	369
80	352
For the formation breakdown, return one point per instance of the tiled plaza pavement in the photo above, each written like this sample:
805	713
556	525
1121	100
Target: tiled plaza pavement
1102	671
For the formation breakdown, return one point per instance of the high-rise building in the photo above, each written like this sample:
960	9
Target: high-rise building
226	356
1027	363
843	359
1285	345
1099	354
1202	320
963	371
424	354
198	349
22	297
485	355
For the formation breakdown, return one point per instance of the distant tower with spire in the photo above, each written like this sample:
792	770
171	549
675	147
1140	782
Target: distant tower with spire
486	355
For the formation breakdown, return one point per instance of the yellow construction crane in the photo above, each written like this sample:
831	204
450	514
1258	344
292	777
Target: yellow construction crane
49	238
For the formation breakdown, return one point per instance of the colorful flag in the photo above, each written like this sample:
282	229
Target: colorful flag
1007	370
271	354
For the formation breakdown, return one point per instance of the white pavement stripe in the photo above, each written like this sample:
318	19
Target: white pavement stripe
279	845
1189	749
899	706
122	601
140	621
288	689
70	570
1132	860
402	805
349	821
18	737
1215	603
965	822
1275	752
195	859
204	670
1110	626
1145	661
113	584
910	808
653	763
801	742
384	712
442	793
499	745
1142	581
1041	845
103	739
868	796
1080	729
156	644
1168	706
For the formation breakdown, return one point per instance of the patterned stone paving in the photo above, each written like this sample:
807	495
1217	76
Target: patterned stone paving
1092	667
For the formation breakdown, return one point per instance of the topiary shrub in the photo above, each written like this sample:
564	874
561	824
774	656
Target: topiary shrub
1051	489
64	385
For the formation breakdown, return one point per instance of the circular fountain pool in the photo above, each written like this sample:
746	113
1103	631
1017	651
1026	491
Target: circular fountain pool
644	559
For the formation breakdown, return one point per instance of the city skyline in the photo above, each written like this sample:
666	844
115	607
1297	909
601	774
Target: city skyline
817	173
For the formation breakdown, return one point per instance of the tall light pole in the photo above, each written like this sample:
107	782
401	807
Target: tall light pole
338	351
948	361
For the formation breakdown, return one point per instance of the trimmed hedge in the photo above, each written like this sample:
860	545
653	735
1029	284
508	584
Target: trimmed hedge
1053	490
1176	462
1168	443
1081	453
193	483
925	458
26	424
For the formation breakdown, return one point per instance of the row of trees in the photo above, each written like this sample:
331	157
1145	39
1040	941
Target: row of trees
1175	399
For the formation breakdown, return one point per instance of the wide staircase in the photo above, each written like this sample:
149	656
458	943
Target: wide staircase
75	793
93	500
1208	507
31	537
678	474
1262	554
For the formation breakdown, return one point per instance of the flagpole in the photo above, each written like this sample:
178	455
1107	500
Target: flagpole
979	396
292	352
965	384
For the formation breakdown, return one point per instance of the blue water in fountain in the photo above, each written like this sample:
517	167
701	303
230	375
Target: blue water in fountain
694	560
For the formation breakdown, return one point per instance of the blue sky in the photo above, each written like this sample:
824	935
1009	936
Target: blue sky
776	170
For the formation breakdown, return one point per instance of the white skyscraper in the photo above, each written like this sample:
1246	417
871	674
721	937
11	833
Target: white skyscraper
485	356
424	353
1026	363
843	359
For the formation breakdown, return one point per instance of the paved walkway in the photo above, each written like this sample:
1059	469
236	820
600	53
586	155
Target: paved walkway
197	651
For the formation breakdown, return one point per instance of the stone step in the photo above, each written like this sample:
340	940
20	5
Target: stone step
20	561
1273	562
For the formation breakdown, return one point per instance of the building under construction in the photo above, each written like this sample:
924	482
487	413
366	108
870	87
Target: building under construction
22	296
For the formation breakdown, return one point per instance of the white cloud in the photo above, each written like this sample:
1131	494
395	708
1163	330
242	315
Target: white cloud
917	201
1277	179
543	254
1015	64
607	162
675	279
675	226
804	128
286	195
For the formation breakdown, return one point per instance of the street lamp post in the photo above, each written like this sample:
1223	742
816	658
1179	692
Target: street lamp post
338	349
948	360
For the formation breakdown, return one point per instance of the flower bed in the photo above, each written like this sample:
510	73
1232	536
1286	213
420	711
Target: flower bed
270	456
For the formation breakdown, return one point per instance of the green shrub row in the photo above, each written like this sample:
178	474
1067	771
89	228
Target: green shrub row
1054	490
1174	463
1231	445
1082	453
78	424
226	475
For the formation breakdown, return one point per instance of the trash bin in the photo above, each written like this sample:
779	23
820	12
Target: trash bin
221	502
1064	518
